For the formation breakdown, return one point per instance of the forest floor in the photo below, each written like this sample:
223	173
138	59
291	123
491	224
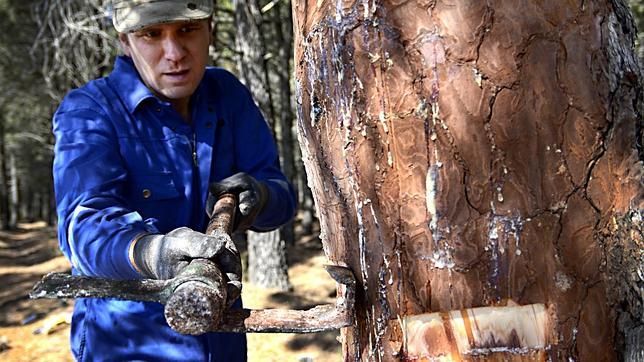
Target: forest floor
38	330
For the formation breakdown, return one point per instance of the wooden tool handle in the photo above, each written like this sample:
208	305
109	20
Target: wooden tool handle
223	215
197	306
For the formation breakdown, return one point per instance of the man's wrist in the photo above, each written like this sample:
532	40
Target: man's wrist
130	252
265	196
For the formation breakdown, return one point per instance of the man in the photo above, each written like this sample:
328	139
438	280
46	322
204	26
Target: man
140	156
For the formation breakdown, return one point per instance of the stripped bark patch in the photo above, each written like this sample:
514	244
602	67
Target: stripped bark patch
507	332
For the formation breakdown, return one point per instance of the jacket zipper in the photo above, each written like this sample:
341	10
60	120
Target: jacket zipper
194	148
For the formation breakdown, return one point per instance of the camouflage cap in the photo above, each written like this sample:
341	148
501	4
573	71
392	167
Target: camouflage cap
132	15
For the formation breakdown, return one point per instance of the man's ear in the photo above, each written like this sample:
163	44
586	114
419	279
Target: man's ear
125	43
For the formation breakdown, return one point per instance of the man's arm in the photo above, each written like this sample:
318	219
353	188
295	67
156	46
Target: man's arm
256	155
95	226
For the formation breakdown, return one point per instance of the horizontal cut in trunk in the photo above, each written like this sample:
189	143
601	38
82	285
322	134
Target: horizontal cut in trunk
510	332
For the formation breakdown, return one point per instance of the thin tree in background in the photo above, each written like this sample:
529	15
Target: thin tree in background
637	6
4	179
281	22
267	259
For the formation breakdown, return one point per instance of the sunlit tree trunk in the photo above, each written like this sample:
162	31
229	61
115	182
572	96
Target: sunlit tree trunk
477	153
14	206
267	265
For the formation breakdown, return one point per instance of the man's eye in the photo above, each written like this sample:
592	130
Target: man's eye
188	29
149	34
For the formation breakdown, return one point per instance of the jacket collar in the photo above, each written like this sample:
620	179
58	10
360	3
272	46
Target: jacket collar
128	84
133	91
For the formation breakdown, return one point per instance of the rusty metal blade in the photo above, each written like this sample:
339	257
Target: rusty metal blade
320	318
62	285
317	319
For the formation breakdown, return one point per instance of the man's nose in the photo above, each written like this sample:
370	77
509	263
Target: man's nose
173	49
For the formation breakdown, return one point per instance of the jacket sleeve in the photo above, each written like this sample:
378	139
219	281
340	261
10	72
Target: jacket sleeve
95	226
256	154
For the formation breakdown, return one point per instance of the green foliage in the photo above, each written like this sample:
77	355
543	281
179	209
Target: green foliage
637	6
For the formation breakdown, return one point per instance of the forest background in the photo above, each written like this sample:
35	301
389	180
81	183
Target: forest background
48	47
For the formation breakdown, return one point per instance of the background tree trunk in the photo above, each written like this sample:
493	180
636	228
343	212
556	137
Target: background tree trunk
251	62
283	41
267	264
14	206
51	203
4	178
470	153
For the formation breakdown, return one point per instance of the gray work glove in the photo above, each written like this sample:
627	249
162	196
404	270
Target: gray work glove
164	256
252	195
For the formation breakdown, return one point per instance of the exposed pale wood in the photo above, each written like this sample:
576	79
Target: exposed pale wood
511	331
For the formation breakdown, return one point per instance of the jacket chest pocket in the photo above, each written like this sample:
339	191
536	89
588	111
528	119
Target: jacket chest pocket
155	196
153	186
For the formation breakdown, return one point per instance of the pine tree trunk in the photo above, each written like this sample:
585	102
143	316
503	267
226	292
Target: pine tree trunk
14	208
285	120
40	206
251	63
267	265
475	154
29	205
51	205
4	179
254	73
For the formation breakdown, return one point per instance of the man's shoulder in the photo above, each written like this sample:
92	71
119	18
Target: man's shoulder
223	79
219	73
90	96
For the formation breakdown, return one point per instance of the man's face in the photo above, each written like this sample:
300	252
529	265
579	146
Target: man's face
171	58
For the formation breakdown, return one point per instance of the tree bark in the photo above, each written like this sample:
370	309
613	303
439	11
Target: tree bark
286	145
251	63
267	264
4	178
14	207
40	206
476	154
51	203
285	54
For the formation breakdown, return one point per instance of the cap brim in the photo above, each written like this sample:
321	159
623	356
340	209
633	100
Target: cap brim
130	19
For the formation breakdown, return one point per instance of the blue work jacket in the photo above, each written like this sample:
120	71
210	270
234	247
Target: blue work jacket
125	164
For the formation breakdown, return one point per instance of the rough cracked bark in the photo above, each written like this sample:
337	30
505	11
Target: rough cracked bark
468	153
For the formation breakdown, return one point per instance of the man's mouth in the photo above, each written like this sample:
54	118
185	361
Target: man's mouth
177	74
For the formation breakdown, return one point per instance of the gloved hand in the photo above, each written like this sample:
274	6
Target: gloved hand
164	256
252	195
